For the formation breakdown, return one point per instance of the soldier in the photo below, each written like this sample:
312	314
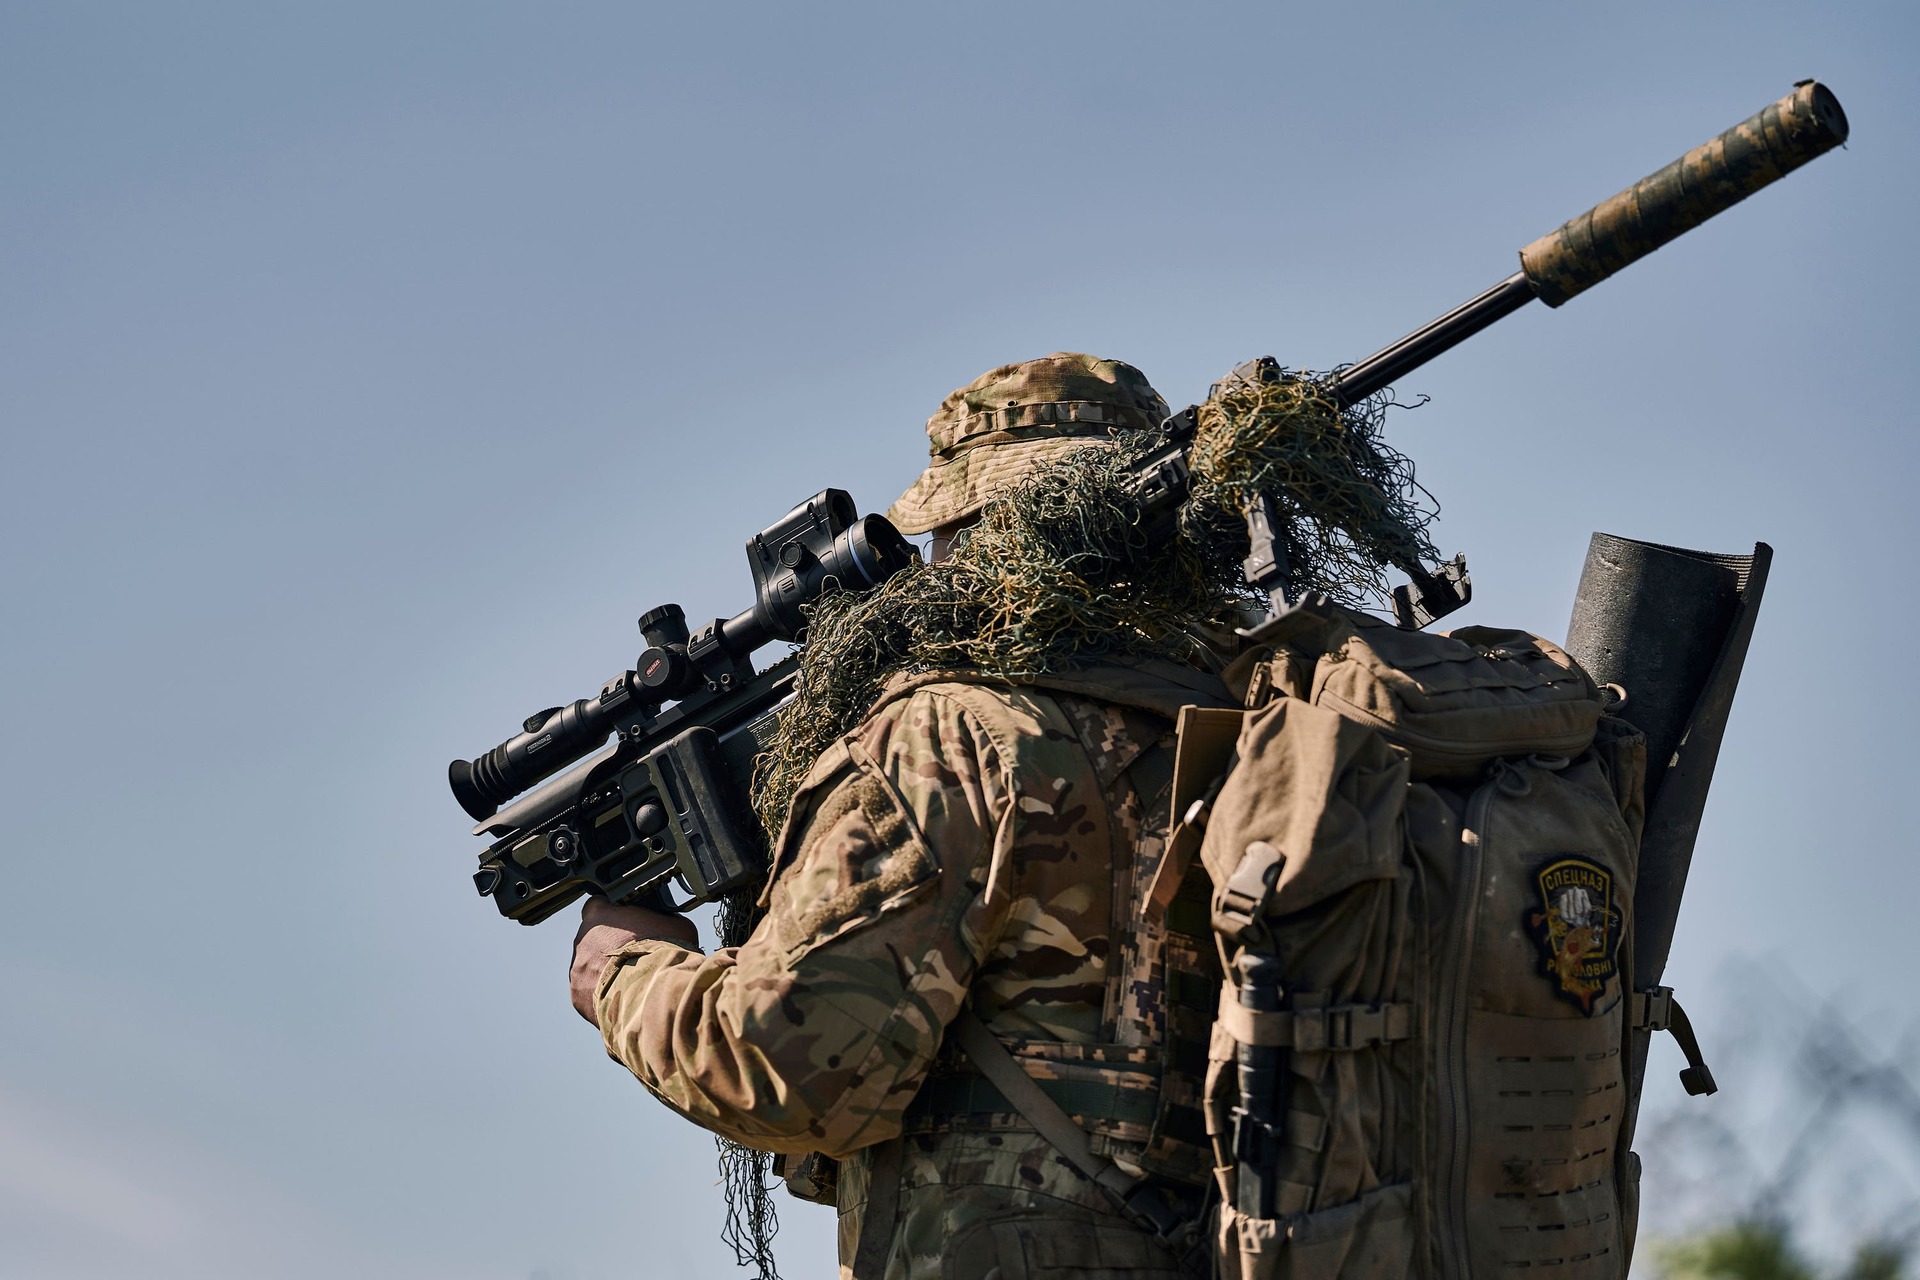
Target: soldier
976	843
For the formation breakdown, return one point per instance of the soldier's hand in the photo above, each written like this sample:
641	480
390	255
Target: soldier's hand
603	927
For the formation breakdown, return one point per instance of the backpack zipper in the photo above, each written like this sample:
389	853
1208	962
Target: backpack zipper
1450	1169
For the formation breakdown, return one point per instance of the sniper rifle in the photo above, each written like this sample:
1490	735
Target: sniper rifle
666	800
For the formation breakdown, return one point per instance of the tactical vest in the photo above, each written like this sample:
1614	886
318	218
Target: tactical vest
1138	1096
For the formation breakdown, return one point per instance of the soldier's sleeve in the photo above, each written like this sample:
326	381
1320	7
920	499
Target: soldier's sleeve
816	1033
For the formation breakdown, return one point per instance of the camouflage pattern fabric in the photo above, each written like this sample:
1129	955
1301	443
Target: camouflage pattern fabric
961	843
1709	179
993	431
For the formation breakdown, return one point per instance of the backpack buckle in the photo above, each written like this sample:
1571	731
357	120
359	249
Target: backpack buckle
1240	904
1655	1009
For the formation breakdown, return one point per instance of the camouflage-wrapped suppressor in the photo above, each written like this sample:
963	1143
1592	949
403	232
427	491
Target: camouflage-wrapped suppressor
1713	176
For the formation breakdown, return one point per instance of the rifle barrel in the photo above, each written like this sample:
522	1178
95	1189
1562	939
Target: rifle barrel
1385	365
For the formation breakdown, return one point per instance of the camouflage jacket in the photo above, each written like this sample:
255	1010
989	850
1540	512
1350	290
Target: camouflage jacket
968	840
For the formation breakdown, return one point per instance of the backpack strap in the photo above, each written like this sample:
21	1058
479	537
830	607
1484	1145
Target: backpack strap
1338	1027
1139	1200
883	1208
1151	774
1656	1010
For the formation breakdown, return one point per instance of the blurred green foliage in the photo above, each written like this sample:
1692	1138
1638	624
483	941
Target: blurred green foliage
1764	1249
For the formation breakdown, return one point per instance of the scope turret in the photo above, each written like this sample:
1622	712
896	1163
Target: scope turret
664	626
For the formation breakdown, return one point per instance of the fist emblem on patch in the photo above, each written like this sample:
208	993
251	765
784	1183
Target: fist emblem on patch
1577	928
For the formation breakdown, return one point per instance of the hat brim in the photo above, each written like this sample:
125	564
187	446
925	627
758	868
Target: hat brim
952	489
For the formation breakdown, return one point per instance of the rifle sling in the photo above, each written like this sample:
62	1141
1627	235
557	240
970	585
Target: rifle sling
1134	1197
1097	1101
883	1209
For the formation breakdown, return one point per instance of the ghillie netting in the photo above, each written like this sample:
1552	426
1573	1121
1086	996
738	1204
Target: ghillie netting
1065	569
751	1217
1349	505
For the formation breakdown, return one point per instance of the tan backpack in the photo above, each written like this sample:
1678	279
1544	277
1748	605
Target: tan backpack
1423	851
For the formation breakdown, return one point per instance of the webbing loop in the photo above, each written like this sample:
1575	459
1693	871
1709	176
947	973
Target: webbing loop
1339	1027
1655	1009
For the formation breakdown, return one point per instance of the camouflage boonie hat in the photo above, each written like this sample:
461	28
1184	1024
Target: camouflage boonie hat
991	432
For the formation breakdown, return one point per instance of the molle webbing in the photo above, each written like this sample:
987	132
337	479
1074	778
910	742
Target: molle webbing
1342	1027
1179	1145
1125	1106
1191	1001
1142	1201
1191	912
1130	1107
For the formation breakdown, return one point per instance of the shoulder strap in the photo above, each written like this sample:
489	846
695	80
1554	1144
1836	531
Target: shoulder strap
1134	1197
1151	774
1154	685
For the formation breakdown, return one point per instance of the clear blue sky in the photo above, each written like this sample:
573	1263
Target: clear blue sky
366	369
